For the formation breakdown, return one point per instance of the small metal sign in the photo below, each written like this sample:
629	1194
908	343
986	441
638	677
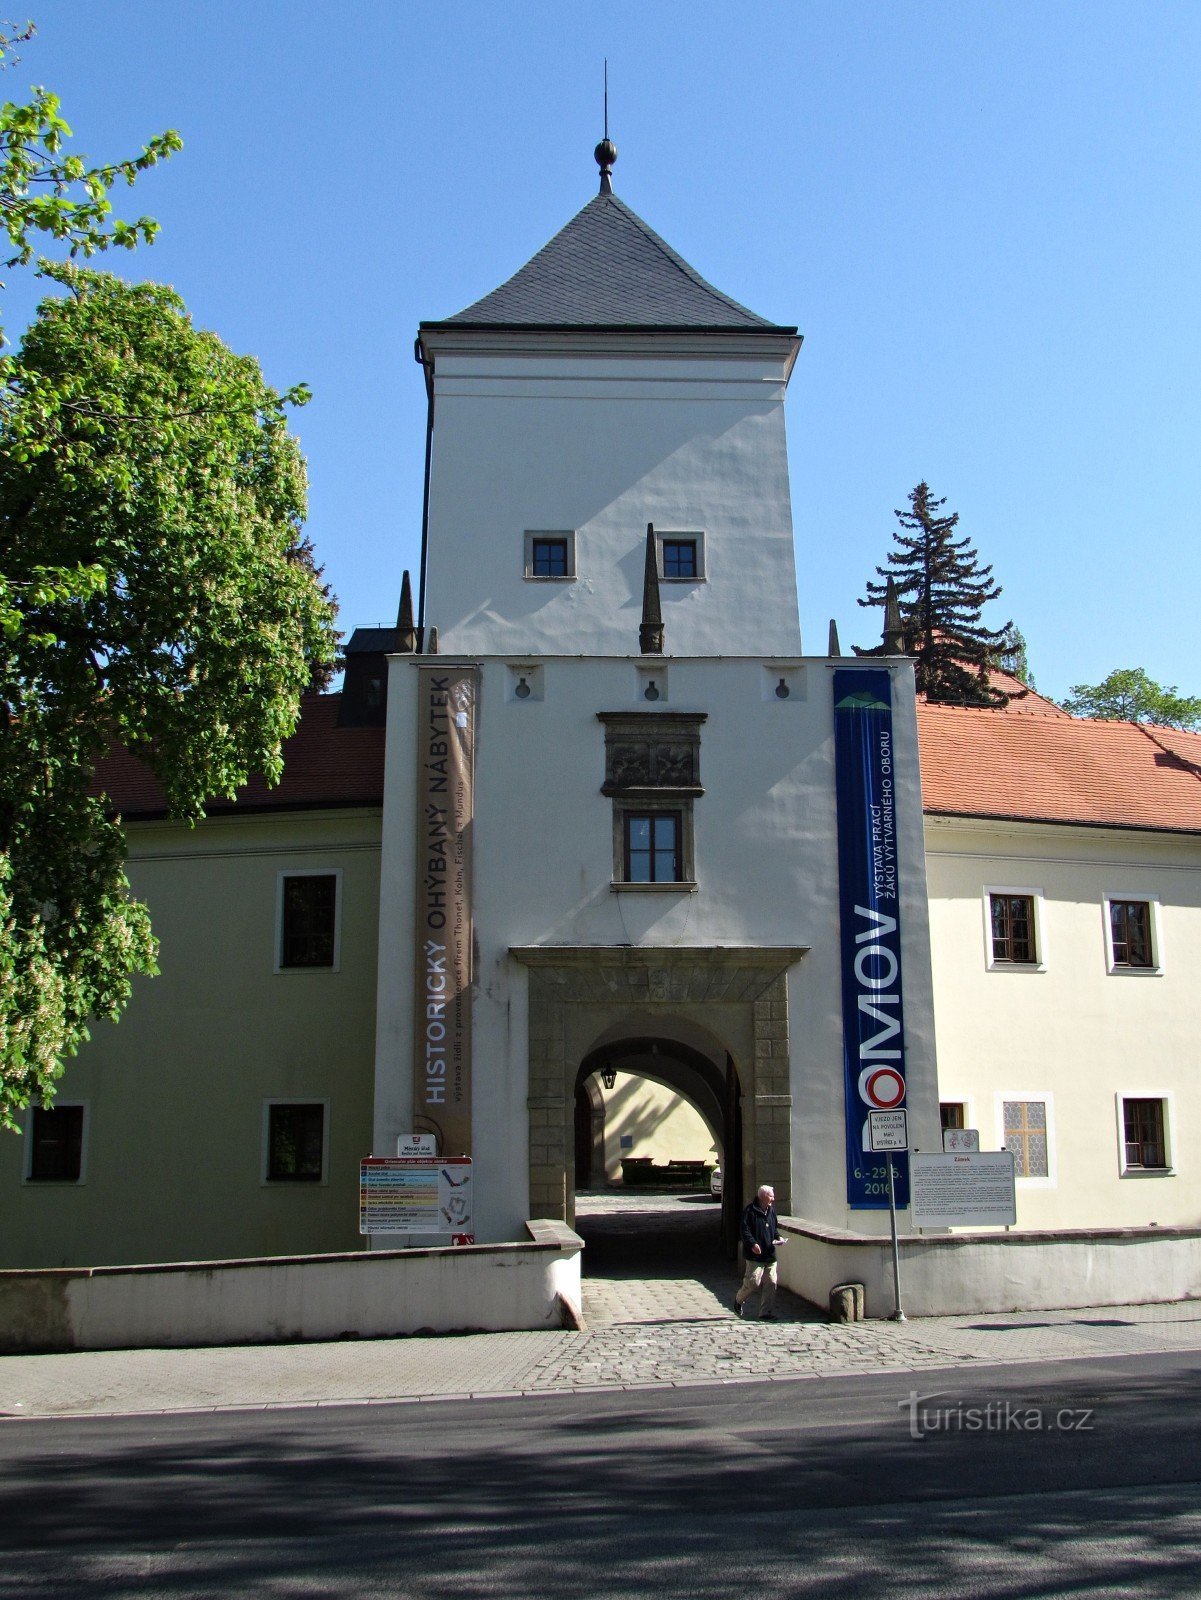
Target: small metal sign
888	1130
955	1140
416	1144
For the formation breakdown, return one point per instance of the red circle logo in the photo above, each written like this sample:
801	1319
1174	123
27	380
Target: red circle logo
884	1088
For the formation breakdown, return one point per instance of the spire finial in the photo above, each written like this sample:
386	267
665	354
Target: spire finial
650	633
404	617
606	150
894	631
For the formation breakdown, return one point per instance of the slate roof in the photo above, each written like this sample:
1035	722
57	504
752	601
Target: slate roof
324	766
1036	765
607	269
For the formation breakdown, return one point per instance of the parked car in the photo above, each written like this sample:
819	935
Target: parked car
715	1181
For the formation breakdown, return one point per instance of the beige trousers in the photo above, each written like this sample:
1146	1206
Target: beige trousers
759	1275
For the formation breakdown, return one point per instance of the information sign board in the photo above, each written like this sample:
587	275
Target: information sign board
416	1194
416	1144
956	1139
966	1190
888	1130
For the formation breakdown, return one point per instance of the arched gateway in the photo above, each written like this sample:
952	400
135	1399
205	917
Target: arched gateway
721	1012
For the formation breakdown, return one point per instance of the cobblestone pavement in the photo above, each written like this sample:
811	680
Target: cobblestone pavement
658	1305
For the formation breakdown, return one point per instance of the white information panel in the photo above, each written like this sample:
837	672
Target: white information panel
957	1139
971	1189
888	1130
416	1194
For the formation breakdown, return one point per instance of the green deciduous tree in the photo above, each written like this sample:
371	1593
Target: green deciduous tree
157	590
1129	695
942	591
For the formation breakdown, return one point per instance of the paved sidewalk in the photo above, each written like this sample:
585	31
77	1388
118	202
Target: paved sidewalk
658	1309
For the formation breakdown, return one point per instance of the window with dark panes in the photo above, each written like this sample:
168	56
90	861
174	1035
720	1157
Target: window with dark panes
548	558
1026	1137
1130	928
652	841
56	1144
950	1114
309	923
679	558
1013	928
295	1143
1143	1124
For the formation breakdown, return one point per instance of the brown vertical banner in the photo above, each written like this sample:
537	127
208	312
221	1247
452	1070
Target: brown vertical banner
446	718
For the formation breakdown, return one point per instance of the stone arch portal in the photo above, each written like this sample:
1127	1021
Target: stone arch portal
629	997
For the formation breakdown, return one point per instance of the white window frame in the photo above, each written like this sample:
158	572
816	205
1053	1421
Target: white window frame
307	872
84	1141
1040	946
265	1148
964	1100
1051	1181
1168	1101
674	534
567	534
1116	969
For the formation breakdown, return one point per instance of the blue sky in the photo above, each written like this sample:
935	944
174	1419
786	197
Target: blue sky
983	217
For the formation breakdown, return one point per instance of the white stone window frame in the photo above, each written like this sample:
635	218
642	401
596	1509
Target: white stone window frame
1167	1100
60	1104
1047	1100
307	872
1122	969
532	534
675	535
1040	945
265	1149
946	1098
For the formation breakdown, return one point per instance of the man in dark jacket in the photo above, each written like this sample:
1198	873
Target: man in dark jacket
760	1240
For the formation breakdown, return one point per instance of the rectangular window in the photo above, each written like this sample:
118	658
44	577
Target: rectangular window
951	1114
549	558
1013	936
1130	933
308	920
1143	1128
295	1142
652	847
1026	1137
55	1136
681	556
549	555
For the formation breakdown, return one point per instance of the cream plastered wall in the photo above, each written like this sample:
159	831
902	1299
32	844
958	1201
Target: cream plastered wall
766	876
596	435
175	1091
1071	1030
658	1122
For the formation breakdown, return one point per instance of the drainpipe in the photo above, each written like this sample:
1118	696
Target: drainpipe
426	362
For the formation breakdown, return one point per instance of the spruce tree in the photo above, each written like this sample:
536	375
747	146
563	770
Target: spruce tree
942	589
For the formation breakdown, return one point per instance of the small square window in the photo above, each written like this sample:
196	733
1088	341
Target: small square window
308	921
549	558
951	1113
55	1136
653	847
296	1142
681	556
550	555
1013	929
1026	1137
1143	1130
1130	933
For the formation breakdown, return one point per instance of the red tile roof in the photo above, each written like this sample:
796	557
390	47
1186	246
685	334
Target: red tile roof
324	766
1034	762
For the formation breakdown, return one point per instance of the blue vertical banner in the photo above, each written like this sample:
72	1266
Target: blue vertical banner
873	1022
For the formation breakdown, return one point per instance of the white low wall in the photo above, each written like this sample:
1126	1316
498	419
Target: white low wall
949	1274
372	1294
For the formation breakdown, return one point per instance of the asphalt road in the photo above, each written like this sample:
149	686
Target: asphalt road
1070	1479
